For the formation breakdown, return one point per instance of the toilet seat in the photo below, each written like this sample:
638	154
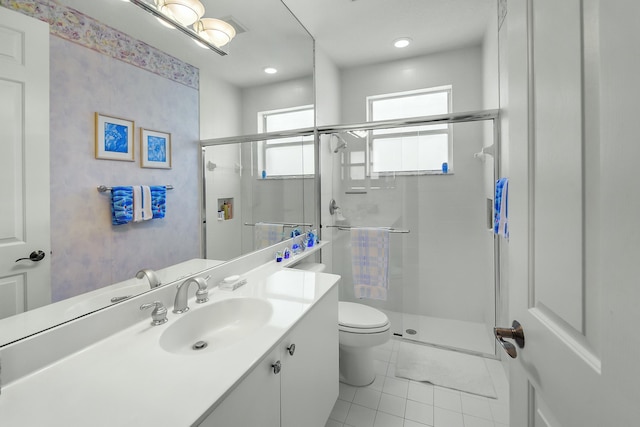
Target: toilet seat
361	319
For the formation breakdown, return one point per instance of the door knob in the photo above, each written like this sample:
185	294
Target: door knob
34	256
291	349
515	332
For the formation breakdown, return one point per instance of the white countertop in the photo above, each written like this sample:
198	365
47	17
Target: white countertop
127	379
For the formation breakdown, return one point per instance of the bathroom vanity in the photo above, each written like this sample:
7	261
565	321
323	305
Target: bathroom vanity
271	359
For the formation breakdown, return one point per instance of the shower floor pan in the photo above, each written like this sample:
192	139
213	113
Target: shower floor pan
470	337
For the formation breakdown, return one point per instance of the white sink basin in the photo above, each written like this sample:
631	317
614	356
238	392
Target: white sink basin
215	326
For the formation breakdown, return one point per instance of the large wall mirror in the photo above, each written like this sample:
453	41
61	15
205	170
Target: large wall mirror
113	58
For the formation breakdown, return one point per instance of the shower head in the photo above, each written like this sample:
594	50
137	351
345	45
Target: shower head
342	144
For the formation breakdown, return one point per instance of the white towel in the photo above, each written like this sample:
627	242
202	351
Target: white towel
142	203
265	234
370	262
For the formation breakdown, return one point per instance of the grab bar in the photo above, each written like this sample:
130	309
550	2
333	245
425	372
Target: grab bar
348	227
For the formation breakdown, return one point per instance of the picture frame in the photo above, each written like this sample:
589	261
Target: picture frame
114	138
155	149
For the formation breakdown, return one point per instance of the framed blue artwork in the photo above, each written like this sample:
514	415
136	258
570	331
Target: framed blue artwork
114	138
155	149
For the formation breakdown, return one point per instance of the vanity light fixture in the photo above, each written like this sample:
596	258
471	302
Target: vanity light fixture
186	12
270	70
402	42
172	20
216	31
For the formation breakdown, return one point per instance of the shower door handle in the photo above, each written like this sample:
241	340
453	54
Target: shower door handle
515	332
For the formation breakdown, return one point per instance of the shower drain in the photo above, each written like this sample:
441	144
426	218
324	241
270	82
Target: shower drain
200	345
411	331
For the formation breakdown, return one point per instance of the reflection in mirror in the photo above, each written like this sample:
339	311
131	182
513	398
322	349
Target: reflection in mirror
112	57
254	199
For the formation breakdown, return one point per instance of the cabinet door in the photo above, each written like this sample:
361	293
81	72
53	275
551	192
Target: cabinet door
255	402
309	381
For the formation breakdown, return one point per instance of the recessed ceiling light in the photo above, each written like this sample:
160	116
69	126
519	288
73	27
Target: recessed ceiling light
270	70
402	42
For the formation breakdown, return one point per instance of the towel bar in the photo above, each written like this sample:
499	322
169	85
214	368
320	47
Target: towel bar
104	188
348	227
284	224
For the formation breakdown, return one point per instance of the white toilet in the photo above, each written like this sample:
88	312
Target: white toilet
360	328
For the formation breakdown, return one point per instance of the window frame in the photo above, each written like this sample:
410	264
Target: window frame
263	146
410	131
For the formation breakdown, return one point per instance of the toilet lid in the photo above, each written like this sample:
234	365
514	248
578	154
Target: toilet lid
360	316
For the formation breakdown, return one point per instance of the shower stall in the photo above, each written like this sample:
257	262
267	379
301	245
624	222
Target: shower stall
430	181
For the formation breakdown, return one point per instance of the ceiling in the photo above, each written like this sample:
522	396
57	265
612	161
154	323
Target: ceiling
357	32
350	32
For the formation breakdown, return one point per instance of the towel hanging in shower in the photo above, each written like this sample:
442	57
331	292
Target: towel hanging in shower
501	207
370	262
265	234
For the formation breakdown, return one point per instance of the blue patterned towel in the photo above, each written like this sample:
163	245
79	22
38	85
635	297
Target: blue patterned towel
158	200
265	234
370	262
121	205
501	208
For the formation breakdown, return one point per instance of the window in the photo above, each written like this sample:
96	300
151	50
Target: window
412	149
287	156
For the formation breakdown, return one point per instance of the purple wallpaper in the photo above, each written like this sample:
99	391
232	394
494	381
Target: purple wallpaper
71	25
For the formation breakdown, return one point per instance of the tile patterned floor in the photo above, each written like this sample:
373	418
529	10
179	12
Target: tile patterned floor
398	402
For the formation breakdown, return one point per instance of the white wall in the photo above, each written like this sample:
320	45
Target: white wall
328	102
290	93
462	68
220	107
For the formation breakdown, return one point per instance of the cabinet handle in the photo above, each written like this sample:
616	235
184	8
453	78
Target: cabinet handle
277	367
291	349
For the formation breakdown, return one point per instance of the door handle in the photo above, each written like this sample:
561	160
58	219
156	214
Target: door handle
34	256
515	332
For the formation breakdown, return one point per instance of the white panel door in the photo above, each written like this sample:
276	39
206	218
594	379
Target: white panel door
24	162
575	212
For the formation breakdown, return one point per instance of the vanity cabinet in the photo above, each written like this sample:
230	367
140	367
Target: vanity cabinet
309	378
305	388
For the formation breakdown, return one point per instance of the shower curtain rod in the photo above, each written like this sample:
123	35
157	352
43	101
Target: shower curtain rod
348	227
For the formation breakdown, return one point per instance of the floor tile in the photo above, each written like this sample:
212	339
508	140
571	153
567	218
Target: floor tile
446	418
419	392
419	412
447	399
359	416
396	386
392	401
393	405
471	421
388	420
378	383
346	392
391	370
380	367
340	410
476	406
367	397
381	354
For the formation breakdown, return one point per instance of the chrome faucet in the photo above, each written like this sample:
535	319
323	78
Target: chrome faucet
202	294
154	282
